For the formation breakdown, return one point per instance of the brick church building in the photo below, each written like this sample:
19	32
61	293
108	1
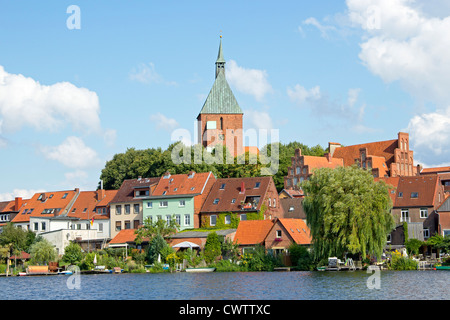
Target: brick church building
220	121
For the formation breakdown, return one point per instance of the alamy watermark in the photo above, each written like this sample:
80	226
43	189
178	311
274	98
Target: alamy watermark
74	20
185	153
374	281
74	280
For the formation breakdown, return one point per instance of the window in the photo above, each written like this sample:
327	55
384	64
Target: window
168	219
149	205
278	234
178	219
182	203
227	219
187	219
297	170
127	224
136	208
118	209
78	226
211	125
127	209
233	200
270	202
100	227
159	217
216	201
36	226
164	193
222	186
135	224
426	233
163	204
257	185
118	225
423	212
388	240
400	194
291	208
414	194
274	203
212	220
43	226
88	226
65	195
243	217
404	215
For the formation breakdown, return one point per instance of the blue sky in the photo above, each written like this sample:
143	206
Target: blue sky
317	71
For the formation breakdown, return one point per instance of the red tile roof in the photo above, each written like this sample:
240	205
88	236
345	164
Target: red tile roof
321	162
297	229
58	200
126	190
435	170
392	183
182	184
124	236
232	190
383	149
251	232
425	186
86	202
444	220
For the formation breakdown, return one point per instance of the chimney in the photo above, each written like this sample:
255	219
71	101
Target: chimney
242	187
328	156
101	193
332	146
17	203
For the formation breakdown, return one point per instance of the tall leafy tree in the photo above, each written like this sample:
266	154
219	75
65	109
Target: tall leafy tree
42	252
347	212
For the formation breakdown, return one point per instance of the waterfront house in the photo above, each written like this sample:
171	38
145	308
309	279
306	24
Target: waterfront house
238	199
81	223
44	205
275	235
416	201
179	197
126	208
443	214
442	172
9	210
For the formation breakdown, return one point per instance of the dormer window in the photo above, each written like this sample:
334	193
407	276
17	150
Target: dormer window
222	186
64	196
216	201
257	185
414	195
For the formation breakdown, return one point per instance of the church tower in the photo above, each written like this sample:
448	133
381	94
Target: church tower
221	119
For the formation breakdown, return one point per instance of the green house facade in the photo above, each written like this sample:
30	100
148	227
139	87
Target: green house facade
180	208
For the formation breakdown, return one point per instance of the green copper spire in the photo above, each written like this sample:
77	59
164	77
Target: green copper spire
220	62
221	99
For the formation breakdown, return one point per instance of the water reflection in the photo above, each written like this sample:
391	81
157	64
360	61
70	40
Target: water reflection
234	286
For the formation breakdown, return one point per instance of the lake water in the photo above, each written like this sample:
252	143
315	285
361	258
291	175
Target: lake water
390	285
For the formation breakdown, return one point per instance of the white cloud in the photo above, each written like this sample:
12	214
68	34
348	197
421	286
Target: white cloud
26	102
163	122
249	81
109	137
407	41
146	73
258	119
324	29
22	193
406	45
72	153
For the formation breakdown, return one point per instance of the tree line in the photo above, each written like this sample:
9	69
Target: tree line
154	162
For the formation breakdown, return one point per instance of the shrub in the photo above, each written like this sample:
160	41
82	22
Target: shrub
72	254
402	263
301	258
212	247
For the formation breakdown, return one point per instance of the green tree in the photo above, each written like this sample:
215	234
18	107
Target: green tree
301	257
42	252
212	247
72	254
413	246
151	229
155	247
347	212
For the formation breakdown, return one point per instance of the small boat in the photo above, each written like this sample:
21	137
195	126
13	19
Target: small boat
321	268
67	272
22	274
200	269
442	267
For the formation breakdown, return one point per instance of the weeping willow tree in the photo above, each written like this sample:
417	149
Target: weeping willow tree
347	212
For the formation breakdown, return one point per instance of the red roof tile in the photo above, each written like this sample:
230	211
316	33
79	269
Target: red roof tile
251	232
383	149
57	201
435	170
297	229
182	184
425	186
126	190
124	236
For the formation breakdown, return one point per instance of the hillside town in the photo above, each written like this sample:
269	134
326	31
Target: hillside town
249	211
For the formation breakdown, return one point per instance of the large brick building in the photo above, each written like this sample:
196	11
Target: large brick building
220	121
